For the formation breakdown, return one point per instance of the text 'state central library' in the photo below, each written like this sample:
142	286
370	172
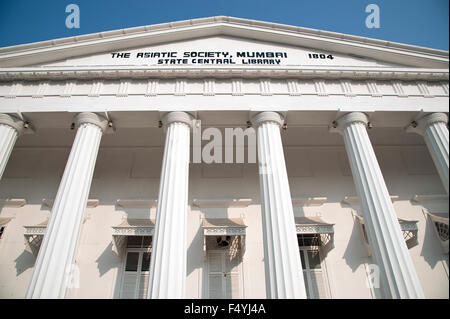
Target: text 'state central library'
223	158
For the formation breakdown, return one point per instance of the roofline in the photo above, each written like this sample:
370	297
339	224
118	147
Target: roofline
18	52
199	21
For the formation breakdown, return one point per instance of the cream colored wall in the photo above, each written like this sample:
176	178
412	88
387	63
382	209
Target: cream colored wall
134	173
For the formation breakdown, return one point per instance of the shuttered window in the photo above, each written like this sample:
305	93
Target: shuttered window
224	275
313	273
136	268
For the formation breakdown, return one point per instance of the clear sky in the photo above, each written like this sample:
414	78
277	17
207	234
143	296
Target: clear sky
417	22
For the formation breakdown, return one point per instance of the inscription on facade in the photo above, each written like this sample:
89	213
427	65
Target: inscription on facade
205	57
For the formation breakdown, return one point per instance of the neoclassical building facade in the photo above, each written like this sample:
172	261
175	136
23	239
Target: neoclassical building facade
223	158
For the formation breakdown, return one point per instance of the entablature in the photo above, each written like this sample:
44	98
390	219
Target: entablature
153	87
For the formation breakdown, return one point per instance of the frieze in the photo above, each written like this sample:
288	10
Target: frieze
314	229
234	87
133	231
224	231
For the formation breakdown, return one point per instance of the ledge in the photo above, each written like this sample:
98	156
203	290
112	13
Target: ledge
431	197
309	201
13	202
91	203
203	203
137	203
354	200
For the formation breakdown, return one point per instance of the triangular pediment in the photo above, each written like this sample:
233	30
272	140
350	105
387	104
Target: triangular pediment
266	43
221	51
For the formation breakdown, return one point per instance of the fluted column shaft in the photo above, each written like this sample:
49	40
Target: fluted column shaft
282	258
51	272
397	272
10	129
433	128
168	259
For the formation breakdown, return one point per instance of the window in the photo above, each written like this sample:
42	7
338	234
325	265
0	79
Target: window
408	227
34	236
223	246
309	240
442	230
3	222
313	272
136	268
315	239
440	223
224	267
223	275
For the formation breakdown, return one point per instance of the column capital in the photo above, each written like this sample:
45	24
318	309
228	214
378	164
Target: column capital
422	123
267	116
11	121
432	118
433	128
350	118
91	118
177	116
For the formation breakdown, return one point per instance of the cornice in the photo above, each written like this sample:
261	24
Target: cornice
297	72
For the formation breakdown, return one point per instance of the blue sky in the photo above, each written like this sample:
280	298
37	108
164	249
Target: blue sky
417	22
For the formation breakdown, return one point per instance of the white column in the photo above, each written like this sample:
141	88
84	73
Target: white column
397	273
10	129
282	258
51	272
433	128
168	259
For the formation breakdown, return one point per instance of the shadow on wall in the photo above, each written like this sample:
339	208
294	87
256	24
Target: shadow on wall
107	260
27	259
24	262
431	251
355	254
194	257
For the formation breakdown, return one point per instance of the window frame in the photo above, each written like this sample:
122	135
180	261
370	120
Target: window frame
139	271
306	272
